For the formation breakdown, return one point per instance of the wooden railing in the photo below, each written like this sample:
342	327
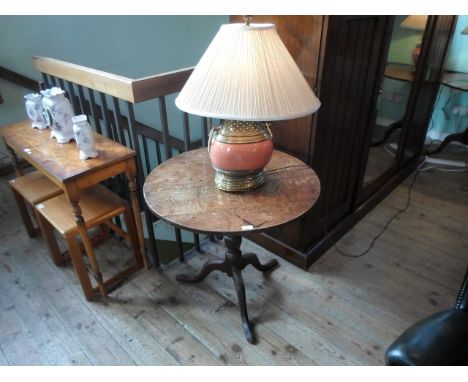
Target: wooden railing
108	100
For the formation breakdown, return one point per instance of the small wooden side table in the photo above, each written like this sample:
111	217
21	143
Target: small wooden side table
62	165
182	192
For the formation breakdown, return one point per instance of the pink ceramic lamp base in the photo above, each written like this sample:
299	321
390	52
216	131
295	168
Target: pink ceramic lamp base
239	165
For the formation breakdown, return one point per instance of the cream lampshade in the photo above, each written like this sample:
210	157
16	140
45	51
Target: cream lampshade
417	23
246	77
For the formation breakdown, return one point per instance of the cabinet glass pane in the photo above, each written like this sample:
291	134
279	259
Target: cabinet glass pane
394	93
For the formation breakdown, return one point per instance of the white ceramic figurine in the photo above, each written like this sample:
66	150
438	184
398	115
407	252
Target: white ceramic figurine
35	110
84	137
60	112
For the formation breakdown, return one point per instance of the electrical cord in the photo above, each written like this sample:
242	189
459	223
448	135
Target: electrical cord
419	169
371	245
285	167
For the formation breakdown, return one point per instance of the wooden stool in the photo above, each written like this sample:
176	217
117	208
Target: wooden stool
99	205
32	188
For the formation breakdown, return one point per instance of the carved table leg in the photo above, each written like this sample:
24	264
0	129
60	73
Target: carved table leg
252	259
233	264
205	271
241	300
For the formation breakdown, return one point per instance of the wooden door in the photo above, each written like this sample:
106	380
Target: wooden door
352	67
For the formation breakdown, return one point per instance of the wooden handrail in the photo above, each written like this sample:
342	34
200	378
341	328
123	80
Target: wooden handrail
117	86
159	85
128	89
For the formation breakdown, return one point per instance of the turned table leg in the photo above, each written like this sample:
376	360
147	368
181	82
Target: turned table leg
233	264
89	249
73	197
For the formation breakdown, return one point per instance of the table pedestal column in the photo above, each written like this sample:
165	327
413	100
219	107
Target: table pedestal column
234	262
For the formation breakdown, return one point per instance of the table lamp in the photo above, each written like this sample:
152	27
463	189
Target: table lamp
245	78
417	23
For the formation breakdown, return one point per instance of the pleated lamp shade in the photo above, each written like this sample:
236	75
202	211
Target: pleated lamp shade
247	74
416	22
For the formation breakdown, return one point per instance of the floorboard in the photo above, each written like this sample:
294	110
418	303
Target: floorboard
342	311
45	327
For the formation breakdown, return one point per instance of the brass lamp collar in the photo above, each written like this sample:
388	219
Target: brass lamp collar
241	132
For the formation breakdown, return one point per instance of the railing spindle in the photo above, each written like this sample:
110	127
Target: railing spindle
71	92
205	144
185	119
82	99
145	150
46	80
118	121
105	116
186	131
140	181
179	244
158	152
94	113
164	126
204	131
62	86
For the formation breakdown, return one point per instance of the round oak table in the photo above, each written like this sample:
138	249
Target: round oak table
182	192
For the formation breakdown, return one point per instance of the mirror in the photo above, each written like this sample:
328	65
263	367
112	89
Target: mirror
448	125
402	57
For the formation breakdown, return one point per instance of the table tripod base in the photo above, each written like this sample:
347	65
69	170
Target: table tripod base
233	264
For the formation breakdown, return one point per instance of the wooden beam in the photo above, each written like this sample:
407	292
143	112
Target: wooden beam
114	85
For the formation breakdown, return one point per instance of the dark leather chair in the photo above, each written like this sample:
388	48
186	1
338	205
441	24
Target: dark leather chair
438	340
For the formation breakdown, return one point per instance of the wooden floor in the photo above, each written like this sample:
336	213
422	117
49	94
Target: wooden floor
343	311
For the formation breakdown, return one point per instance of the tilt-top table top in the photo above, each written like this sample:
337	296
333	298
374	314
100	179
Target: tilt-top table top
182	192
